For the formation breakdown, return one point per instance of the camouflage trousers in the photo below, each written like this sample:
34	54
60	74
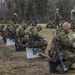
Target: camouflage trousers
70	60
69	56
42	44
39	44
22	40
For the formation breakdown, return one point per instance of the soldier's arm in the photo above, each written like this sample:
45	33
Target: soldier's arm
26	32
59	15
17	33
65	41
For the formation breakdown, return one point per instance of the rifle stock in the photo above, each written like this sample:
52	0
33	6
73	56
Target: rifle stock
59	55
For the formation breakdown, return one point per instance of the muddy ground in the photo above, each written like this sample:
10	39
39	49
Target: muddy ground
16	63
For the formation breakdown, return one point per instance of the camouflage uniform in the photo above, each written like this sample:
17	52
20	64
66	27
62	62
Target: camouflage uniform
73	18
59	29
27	27
57	17
30	26
10	30
15	18
38	40
48	24
21	35
4	33
65	46
53	24
2	29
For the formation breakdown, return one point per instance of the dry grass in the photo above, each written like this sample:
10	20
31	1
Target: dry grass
16	63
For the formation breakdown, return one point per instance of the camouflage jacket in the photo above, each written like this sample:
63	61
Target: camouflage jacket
11	29
15	19
1	29
57	16
63	42
20	32
59	30
35	34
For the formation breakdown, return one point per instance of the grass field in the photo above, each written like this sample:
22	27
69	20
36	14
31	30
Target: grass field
16	63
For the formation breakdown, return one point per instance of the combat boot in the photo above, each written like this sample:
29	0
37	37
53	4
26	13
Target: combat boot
59	69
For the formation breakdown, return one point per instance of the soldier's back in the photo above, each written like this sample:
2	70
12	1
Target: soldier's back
20	31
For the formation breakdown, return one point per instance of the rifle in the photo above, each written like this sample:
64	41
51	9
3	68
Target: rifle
31	44
59	55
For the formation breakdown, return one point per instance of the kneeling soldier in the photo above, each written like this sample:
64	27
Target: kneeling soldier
38	40
65	46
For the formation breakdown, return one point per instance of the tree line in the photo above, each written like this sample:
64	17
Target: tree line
39	10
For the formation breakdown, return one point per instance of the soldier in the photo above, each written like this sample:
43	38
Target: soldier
48	24
53	24
29	27
15	18
20	34
10	30
73	18
39	41
2	29
65	46
59	29
57	17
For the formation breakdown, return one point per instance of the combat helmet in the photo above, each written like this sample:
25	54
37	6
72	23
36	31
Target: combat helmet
39	27
11	23
57	9
17	25
2	25
24	25
34	23
15	14
66	25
